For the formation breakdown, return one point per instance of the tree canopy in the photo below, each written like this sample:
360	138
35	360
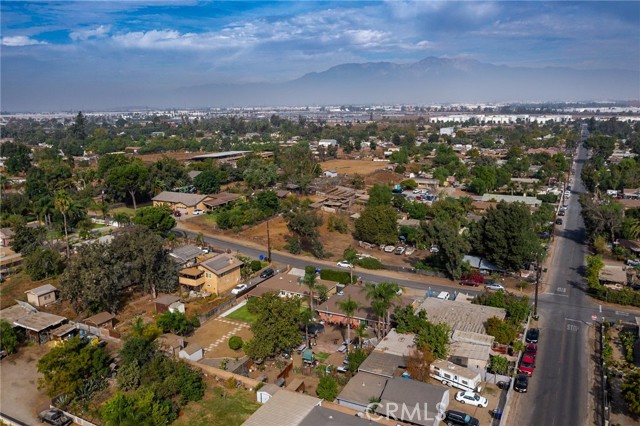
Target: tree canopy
377	224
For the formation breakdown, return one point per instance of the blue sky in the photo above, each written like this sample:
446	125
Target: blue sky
122	46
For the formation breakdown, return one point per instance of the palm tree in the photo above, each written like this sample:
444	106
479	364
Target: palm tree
382	296
62	202
309	280
306	318
349	307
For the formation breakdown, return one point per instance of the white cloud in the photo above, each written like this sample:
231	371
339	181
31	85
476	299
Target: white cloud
172	39
15	41
98	32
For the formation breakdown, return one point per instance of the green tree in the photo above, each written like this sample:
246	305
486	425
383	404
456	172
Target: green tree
207	182
176	322
631	391
27	239
304	223
309	280
260	174
356	358
498	364
327	388
435	337
377	224
503	331
379	195
452	245
62	202
157	219
298	165
131	178
8	337
382	296
66	367
142	407
43	263
18	157
268	201
348	307
276	325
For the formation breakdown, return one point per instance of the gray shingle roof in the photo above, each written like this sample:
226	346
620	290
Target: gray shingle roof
221	263
285	408
401	392
42	290
189	200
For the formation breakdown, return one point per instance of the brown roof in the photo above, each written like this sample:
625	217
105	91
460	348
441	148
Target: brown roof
193	271
358	294
221	199
39	321
166	299
189	200
222	263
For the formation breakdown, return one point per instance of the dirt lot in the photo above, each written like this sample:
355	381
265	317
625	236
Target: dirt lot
351	167
214	336
20	397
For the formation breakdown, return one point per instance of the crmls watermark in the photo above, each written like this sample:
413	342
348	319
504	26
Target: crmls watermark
410	413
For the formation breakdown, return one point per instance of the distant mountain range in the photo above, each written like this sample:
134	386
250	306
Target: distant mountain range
431	80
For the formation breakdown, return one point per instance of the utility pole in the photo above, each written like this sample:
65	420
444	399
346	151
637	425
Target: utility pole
268	244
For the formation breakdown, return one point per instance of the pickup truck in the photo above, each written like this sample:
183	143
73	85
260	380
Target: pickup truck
54	417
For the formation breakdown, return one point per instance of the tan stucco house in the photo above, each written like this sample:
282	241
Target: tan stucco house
216	275
178	201
43	295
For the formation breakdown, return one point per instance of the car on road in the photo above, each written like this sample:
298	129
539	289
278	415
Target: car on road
471	398
389	249
527	365
494	286
344	264
267	273
561	213
239	289
54	417
532	335
531	349
559	221
458	418
197	212
399	250
521	383
473	279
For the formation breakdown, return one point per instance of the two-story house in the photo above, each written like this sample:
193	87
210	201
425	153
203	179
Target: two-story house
216	275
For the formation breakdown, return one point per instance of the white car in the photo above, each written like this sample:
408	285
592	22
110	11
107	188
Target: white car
239	289
344	264
389	248
409	251
494	286
471	398
196	212
434	249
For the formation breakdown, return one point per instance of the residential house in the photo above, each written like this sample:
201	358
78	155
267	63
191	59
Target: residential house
101	320
428	400
325	416
164	301
460	315
363	388
383	364
290	285
216	275
171	344
182	202
191	352
326	143
331	313
186	255
221	199
37	325
43	295
531	202
64	332
613	276
285	408
471	350
6	236
482	265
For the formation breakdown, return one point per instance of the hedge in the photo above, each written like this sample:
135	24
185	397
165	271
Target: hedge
341	277
626	296
370	263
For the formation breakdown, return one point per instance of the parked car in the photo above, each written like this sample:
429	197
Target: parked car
197	212
239	289
559	221
471	398
561	213
527	365
344	264
399	250
342	369
531	349
521	383
267	273
409	251
532	335
54	417
632	262
455	418
472	279
389	249
434	249
494	286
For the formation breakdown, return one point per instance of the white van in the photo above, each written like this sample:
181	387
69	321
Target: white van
444	295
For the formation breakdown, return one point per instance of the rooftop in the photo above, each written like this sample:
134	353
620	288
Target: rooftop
463	372
362	388
460	315
401	392
39	321
382	364
189	200
321	416
358	294
221	199
166	299
185	253
285	408
15	312
530	201
469	351
221	263
100	318
42	290
395	343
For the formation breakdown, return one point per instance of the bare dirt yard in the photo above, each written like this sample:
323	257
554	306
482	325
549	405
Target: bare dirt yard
20	397
214	336
351	167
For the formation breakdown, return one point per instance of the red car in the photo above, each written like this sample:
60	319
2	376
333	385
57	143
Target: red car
474	279
527	365
531	350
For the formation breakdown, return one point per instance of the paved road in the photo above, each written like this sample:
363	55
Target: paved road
559	391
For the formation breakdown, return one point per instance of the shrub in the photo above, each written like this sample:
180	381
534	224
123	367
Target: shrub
370	263
341	277
498	364
327	388
256	265
235	342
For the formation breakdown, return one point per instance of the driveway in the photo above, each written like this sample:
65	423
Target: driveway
20	397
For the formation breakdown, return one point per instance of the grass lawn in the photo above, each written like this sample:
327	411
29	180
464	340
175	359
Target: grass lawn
322	356
242	314
220	407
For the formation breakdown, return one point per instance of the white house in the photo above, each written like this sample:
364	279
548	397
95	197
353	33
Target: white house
192	352
327	142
